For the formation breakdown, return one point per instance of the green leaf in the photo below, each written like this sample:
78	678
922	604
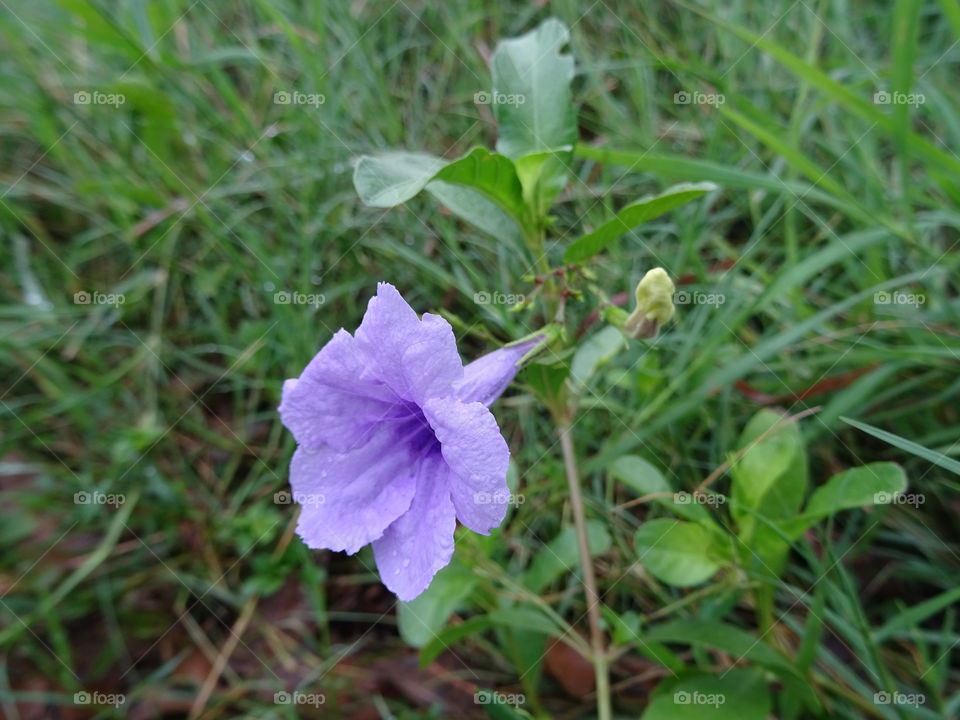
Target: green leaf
639	475
645	479
491	174
537	122
393	177
764	462
562	555
586	246
874	484
421	619
737	694
595	352
481	187
947	463
676	552
476	210
531	70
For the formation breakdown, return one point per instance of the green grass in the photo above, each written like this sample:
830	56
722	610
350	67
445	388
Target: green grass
200	197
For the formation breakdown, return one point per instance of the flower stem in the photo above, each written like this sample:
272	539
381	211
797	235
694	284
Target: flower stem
597	640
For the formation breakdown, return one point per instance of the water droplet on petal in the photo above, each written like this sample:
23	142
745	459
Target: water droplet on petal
397	571
406	562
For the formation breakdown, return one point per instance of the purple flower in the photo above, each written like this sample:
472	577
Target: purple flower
394	435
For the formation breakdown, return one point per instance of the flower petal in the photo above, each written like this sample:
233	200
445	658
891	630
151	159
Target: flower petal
478	456
349	499
485	379
419	543
334	402
417	359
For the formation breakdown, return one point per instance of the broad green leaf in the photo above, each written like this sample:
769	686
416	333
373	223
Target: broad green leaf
586	246
737	694
947	463
598	349
533	104
639	475
422	618
874	484
531	71
676	552
543	177
491	174
391	178
562	555
764	462
769	484
645	479
732	640
476	210
470	186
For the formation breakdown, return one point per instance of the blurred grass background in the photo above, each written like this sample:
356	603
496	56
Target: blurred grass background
200	197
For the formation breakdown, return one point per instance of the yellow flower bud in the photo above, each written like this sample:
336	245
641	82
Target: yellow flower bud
654	305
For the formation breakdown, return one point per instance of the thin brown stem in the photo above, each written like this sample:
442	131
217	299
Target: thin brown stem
597	640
